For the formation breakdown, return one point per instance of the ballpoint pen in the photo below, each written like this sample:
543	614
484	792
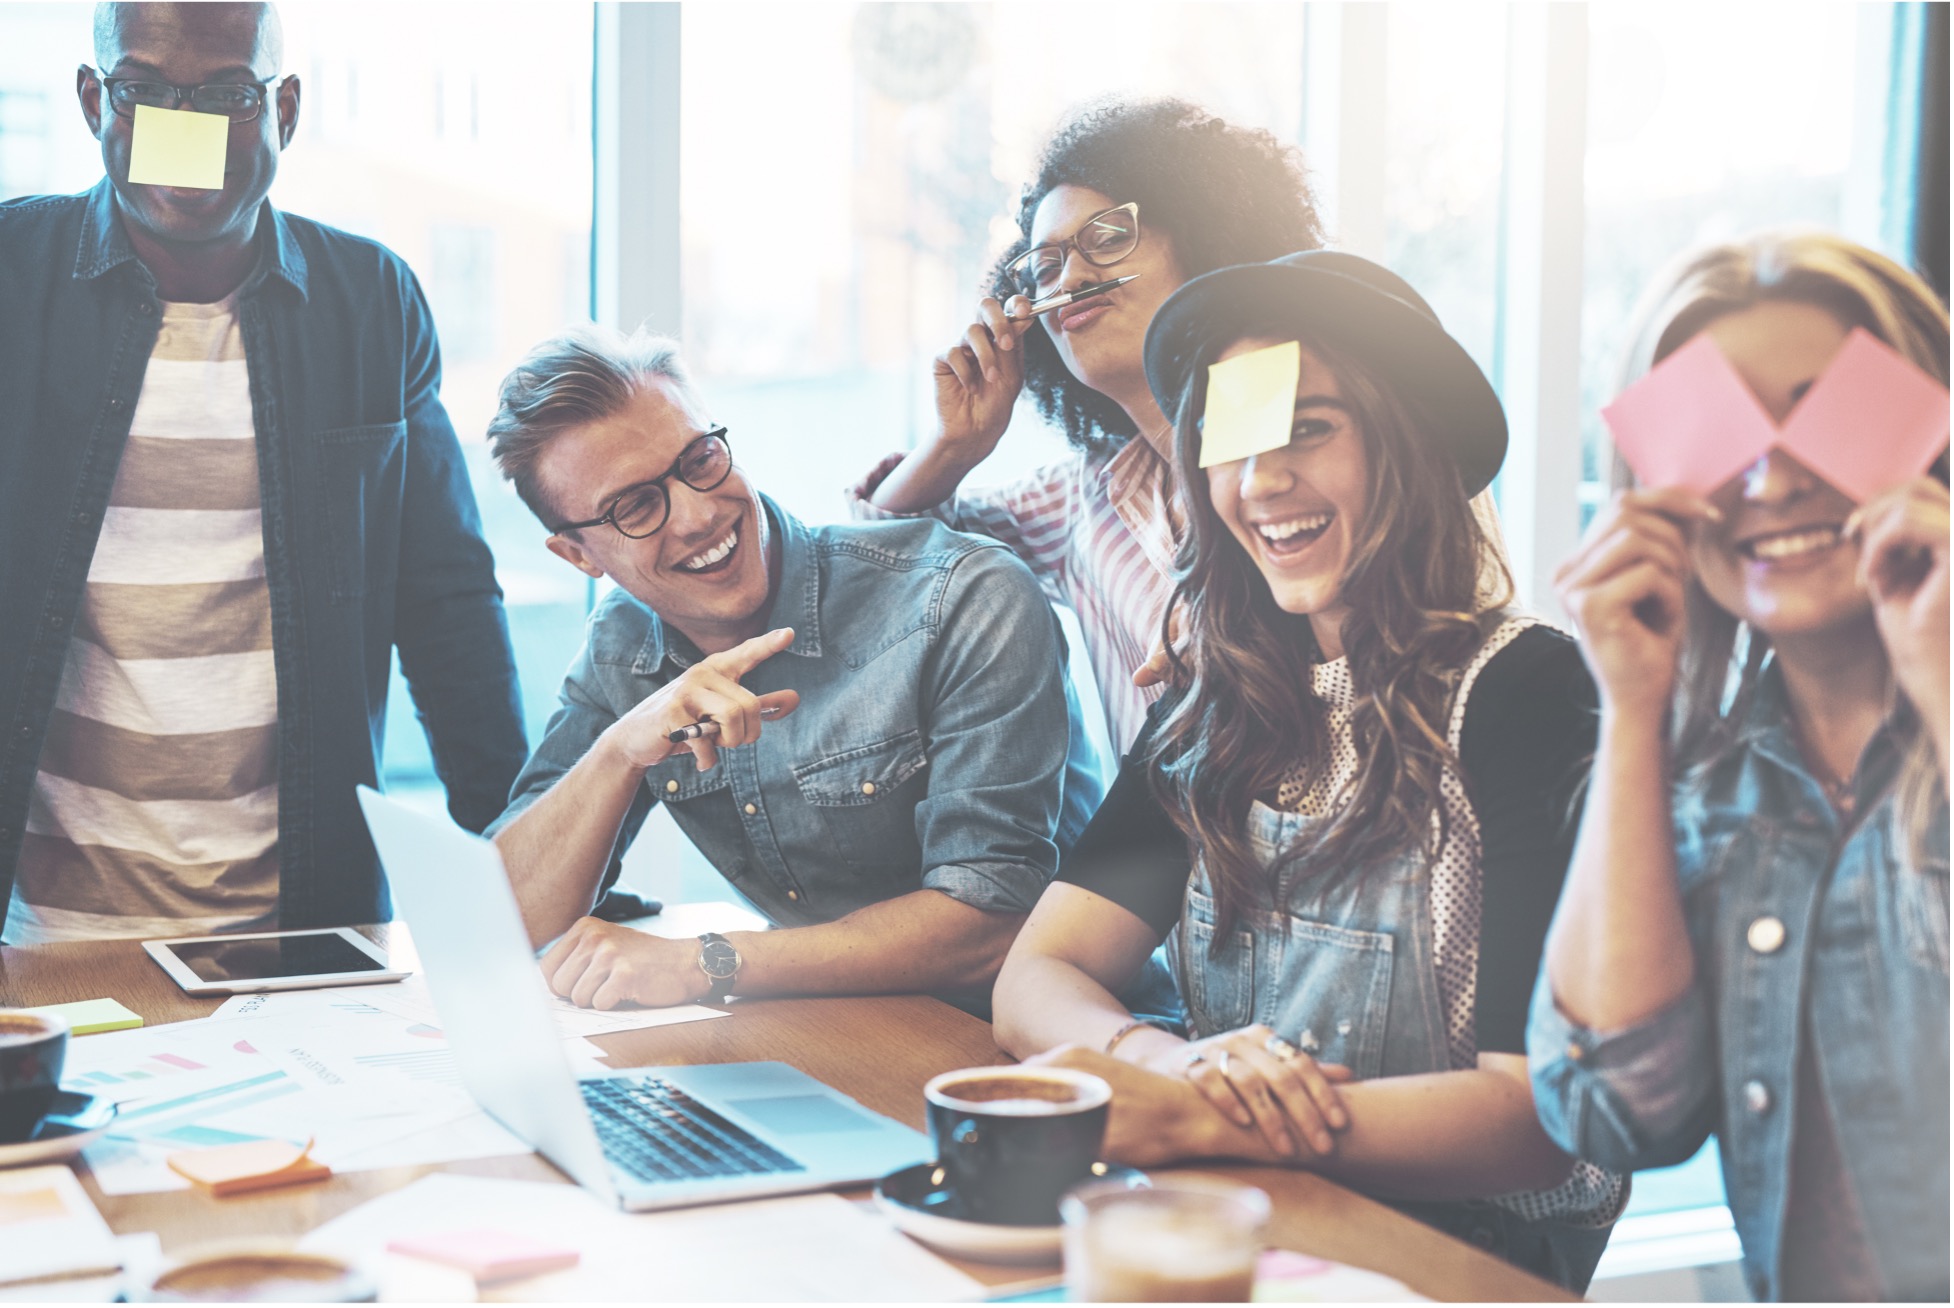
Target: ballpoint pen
1051	302
708	727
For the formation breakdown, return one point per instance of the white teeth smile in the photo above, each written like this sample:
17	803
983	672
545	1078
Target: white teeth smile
700	562
1277	532
1791	544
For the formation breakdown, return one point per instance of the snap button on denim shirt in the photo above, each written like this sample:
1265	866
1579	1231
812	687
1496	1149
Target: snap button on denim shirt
1861	947
929	750
372	539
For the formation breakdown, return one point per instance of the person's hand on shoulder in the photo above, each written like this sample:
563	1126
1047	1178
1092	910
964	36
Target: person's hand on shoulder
1903	564
604	965
978	378
709	690
1624	589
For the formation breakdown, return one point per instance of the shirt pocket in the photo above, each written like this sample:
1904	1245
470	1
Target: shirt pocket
1923	913
363	480
867	799
1217	970
1331	995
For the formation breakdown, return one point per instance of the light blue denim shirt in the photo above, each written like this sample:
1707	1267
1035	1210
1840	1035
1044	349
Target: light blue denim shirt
1793	916
929	750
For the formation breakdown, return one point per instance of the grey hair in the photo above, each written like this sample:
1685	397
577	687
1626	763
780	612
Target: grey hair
579	377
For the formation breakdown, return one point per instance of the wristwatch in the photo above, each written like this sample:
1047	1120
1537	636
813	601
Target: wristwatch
720	962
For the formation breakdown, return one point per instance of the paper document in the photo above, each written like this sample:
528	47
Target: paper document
807	1247
49	1228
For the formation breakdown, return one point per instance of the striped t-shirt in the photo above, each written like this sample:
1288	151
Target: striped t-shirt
1099	531
155	807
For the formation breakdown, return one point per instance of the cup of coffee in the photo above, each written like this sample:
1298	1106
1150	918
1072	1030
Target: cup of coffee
32	1048
1011	1140
1178	1240
251	1271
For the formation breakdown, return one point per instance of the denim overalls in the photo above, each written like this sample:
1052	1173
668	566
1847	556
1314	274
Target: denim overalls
1343	966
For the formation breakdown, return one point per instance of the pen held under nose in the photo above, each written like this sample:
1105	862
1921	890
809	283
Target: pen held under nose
1073	297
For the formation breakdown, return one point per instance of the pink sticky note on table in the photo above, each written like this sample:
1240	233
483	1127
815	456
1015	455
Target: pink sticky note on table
487	1255
1870	422
1691	422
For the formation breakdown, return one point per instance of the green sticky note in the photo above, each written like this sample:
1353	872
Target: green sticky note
177	147
87	1016
1251	403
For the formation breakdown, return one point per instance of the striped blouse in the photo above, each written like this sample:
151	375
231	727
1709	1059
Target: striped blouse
1099	531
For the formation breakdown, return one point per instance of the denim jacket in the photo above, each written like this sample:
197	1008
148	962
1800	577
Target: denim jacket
928	752
372	540
1792	916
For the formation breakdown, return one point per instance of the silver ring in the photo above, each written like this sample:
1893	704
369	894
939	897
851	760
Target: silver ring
1280	1048
1221	1066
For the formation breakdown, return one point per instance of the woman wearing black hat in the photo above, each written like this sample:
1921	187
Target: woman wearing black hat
1374	763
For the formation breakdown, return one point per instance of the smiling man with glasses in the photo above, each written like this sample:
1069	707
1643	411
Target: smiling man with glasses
887	749
228	494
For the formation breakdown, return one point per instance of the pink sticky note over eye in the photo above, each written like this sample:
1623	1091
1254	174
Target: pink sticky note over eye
1870	422
1691	422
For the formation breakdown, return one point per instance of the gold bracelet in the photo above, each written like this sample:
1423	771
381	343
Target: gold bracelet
1126	1031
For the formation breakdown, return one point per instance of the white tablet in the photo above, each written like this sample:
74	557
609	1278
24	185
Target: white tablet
273	960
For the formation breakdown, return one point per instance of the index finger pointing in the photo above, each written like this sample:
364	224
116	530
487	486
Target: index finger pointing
750	654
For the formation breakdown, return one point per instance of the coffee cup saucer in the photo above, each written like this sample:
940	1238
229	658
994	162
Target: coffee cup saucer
74	1121
927	1210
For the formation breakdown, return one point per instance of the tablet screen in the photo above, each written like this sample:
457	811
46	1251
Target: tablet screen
265	959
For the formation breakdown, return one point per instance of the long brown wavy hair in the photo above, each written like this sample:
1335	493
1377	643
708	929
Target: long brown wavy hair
1722	658
1423	585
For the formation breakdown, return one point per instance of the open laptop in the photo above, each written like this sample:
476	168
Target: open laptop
647	1139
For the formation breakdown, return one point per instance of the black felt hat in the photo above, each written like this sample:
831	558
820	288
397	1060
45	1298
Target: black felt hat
1358	306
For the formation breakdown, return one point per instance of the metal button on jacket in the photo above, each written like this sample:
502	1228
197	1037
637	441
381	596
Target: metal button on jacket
1757	1097
1766	935
751	809
671	785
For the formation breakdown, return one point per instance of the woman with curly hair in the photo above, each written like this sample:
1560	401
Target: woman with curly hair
1159	190
1350	820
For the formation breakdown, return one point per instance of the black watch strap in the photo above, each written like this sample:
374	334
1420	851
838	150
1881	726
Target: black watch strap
720	962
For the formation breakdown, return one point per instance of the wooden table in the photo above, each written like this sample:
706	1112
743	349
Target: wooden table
880	1050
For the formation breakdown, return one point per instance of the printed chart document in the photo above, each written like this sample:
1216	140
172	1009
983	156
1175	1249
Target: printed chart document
806	1247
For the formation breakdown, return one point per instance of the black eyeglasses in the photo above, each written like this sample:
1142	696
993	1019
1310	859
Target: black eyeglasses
639	511
1102	241
241	102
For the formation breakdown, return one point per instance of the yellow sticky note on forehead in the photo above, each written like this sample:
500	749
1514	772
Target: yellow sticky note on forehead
1251	403
177	147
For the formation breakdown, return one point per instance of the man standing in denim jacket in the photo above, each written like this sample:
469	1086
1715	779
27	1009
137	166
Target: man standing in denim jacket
887	749
228	491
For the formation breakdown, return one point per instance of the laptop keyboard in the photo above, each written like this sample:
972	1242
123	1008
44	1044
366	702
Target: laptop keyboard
657	1132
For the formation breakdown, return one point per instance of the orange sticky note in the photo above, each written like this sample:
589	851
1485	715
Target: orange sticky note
252	1165
178	147
30	1205
1251	403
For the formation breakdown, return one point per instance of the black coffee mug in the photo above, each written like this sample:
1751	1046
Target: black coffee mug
1011	1140
32	1048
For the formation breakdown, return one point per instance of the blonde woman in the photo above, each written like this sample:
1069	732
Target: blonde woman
1753	937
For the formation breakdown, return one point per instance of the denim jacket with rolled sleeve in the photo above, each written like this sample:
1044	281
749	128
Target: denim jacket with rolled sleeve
929	750
1799	922
372	539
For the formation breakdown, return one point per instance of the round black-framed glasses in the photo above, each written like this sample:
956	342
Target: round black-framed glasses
639	511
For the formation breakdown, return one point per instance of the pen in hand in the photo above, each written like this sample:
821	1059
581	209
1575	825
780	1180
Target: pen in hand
708	727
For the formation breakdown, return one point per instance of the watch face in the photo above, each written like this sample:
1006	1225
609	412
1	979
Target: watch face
719	959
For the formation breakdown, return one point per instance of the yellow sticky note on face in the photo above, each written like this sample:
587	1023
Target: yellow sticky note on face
177	147
1251	403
